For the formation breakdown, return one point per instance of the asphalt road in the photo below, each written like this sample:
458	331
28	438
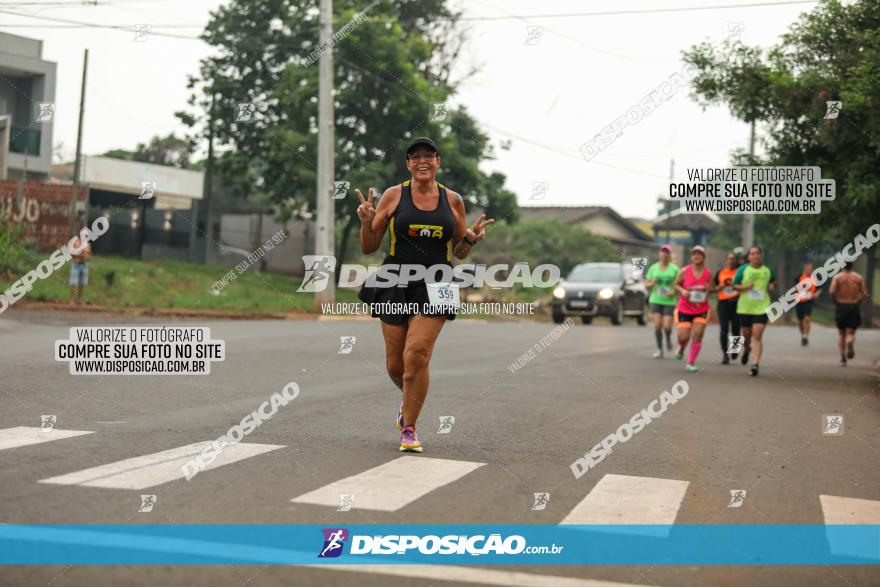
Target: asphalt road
518	432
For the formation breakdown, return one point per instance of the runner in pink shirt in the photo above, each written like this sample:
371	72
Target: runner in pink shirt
694	283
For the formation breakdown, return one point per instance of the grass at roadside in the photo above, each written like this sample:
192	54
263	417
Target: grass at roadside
119	282
158	285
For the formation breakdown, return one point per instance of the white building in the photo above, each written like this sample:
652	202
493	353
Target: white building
27	108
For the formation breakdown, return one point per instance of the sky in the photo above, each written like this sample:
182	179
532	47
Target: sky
547	90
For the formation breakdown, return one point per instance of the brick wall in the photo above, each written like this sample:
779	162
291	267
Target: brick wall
44	209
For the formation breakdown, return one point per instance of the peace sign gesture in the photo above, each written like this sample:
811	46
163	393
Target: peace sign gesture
478	231
365	211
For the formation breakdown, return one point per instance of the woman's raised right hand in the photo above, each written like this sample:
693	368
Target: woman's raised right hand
365	211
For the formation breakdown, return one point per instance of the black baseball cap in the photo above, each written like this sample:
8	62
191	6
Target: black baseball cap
419	141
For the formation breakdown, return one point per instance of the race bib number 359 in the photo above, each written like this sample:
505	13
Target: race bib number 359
443	294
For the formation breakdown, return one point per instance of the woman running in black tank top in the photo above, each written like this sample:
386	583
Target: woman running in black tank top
421	236
428	227
418	237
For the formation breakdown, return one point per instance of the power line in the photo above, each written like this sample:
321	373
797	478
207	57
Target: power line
581	42
554	149
127	28
79	3
639	11
51	3
568	153
69	23
75	24
86	25
702	149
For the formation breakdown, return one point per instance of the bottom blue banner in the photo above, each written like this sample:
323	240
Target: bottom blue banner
524	544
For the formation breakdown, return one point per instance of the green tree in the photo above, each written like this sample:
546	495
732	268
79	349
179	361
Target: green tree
831	53
389	70
543	241
170	150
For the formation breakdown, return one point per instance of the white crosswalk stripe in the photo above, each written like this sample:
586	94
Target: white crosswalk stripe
392	485
620	500
26	435
157	468
473	575
623	499
847	510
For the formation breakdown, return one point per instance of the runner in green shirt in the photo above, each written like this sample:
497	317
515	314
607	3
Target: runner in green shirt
660	279
755	281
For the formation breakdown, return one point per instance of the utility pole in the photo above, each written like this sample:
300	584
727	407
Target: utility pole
325	239
748	228
77	161
201	234
208	196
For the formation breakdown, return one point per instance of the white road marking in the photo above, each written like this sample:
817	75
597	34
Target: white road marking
472	575
25	435
849	510
392	485
622	499
157	468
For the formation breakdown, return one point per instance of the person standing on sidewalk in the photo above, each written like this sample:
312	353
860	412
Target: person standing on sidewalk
79	267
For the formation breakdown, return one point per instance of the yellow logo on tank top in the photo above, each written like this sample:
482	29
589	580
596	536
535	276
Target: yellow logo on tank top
428	230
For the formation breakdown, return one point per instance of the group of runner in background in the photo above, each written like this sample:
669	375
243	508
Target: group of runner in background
680	297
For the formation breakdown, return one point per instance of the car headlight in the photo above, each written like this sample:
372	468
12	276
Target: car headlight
606	293
559	293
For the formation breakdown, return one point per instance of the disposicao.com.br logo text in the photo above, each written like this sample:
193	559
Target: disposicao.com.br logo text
402	544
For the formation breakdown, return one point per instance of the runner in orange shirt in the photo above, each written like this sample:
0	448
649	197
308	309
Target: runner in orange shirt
726	307
804	307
